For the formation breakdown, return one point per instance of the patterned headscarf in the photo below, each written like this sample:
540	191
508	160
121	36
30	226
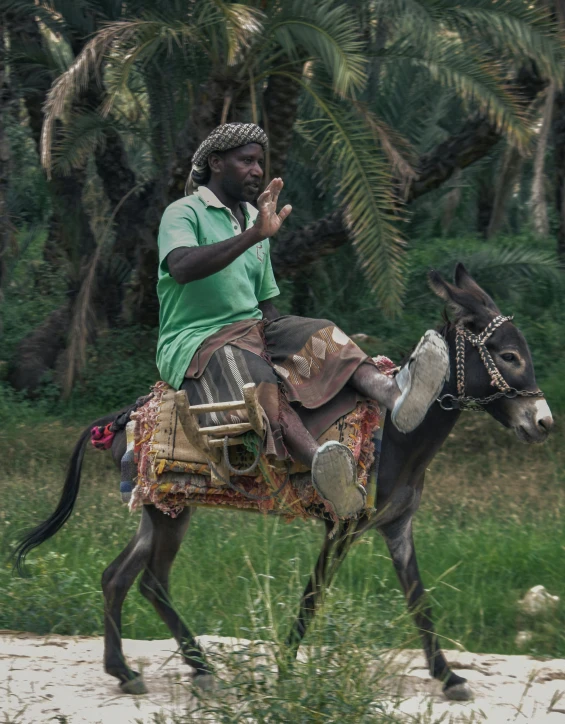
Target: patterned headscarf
223	138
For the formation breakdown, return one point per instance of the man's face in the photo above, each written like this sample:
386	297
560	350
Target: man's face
240	171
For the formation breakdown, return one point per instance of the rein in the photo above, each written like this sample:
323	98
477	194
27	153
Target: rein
476	404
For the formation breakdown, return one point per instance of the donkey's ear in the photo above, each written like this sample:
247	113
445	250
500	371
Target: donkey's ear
466	282
439	286
446	291
466	305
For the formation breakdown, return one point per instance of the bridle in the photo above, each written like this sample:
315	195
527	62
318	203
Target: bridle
476	404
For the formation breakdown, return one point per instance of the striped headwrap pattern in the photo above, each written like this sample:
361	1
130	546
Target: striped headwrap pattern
224	138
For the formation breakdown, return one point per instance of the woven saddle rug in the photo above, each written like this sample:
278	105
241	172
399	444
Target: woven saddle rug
172	474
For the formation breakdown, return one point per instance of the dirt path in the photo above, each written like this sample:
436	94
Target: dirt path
60	679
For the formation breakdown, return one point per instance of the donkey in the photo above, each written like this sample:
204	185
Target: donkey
491	368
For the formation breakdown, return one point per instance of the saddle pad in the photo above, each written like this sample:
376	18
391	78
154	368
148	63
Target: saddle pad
172	474
169	443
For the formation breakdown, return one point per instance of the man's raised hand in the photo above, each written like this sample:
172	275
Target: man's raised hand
268	221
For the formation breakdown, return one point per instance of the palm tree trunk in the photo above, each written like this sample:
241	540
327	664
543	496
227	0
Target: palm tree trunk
296	249
451	203
142	303
69	231
206	115
506	179
280	103
539	200
38	352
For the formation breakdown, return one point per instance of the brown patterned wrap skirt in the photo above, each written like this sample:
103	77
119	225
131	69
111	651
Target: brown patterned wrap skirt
295	362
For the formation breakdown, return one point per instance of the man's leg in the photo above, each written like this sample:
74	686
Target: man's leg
370	383
373	385
299	442
415	388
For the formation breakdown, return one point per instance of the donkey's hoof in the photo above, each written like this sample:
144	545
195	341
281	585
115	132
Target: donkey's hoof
205	682
134	686
459	692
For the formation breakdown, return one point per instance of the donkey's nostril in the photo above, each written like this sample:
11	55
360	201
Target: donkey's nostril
546	423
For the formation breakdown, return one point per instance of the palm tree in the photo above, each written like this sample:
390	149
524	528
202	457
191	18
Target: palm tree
353	86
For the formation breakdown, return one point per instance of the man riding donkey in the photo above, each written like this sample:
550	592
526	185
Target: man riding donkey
219	328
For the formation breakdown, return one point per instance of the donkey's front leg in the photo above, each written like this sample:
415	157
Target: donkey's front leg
331	557
400	542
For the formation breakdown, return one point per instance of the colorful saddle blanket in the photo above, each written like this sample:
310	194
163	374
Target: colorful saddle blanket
172	474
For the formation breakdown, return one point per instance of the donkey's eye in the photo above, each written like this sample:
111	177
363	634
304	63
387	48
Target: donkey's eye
508	357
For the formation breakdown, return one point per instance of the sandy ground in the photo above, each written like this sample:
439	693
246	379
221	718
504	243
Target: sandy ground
60	679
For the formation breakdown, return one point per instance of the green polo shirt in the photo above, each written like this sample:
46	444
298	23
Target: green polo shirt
190	313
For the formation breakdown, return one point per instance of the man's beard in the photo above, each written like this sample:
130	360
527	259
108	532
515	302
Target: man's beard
241	191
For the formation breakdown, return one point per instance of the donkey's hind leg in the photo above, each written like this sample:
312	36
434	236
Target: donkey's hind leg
117	579
154	585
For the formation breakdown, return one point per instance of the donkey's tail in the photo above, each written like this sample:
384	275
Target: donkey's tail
42	532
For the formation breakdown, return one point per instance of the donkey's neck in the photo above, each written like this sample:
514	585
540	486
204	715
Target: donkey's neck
405	457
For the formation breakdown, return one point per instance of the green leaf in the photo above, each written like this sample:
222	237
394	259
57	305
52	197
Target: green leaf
327	32
344	143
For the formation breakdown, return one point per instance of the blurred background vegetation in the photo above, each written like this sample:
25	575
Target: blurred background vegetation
410	134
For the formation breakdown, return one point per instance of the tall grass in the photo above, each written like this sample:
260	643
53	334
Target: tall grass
490	527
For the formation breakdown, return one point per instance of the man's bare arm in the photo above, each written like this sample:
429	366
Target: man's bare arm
269	310
187	264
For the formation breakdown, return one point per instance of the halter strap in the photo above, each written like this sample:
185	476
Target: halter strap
449	402
478	341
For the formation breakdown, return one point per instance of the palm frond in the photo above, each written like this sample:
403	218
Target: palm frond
78	141
239	23
344	144
478	82
82	134
44	12
325	31
397	149
116	37
506	266
523	29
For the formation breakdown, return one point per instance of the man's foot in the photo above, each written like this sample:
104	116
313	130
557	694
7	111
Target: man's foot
420	381
334	476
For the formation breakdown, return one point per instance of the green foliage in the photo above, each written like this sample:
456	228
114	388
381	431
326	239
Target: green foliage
364	186
27	197
33	289
328	32
461	54
119	369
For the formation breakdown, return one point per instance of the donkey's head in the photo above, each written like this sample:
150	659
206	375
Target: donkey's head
494	358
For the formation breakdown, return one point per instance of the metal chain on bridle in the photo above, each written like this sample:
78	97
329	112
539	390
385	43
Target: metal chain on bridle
476	404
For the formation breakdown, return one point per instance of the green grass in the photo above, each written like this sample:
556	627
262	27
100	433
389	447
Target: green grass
490	528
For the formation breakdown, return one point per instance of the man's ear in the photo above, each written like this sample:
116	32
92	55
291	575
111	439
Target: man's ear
216	162
465	281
